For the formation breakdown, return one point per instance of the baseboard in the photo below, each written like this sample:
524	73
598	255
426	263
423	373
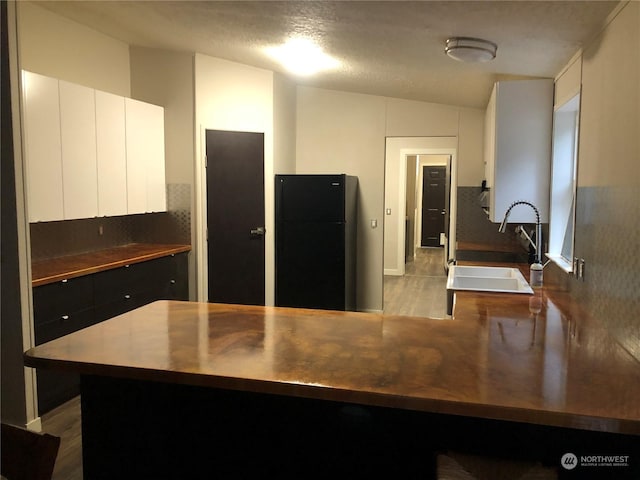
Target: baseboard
371	310
35	425
393	271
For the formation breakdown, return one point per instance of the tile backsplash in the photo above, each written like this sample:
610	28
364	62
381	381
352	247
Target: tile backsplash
473	226
607	229
69	237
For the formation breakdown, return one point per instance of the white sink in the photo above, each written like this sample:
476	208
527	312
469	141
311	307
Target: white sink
487	279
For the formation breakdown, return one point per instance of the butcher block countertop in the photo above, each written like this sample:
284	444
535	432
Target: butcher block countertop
523	358
56	269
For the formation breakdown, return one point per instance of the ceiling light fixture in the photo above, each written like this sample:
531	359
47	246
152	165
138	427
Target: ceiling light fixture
468	49
302	57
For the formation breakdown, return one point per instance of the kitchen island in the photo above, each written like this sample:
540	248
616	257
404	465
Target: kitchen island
184	389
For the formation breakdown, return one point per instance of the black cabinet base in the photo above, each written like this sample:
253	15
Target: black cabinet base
136	429
67	306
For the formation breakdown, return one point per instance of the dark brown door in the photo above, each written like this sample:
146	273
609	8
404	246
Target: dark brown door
235	217
433	205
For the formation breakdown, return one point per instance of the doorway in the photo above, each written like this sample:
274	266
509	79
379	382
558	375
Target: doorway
399	219
235	217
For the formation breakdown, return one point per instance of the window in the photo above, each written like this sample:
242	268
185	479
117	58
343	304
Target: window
563	183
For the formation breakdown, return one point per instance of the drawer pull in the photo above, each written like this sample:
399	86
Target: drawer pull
173	282
64	280
64	318
127	297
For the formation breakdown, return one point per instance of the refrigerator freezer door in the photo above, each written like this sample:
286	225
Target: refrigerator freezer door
310	198
311	266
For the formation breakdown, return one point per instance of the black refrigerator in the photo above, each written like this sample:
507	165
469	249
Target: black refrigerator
316	241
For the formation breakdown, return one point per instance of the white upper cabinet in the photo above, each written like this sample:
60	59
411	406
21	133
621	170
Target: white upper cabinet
78	135
518	126
43	149
145	157
111	154
90	153
156	183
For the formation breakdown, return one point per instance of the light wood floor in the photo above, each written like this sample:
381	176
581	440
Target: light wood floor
421	291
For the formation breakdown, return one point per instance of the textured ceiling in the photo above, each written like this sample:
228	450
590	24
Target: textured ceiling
389	48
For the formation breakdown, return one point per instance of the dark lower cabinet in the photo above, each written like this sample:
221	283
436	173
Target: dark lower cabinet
64	307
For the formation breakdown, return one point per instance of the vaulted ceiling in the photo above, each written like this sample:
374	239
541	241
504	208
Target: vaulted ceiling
388	48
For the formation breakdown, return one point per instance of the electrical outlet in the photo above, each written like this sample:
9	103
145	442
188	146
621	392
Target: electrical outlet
581	269
578	268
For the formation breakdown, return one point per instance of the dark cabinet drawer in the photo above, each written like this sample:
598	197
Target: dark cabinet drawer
122	305
174	273
55	300
63	325
125	282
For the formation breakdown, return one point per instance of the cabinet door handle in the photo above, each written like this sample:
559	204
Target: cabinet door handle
173	282
64	318
127	297
257	232
64	280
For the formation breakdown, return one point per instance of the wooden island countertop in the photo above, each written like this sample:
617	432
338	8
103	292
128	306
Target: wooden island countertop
531	359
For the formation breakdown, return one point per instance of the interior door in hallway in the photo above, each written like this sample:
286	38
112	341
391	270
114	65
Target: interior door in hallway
235	217
434	205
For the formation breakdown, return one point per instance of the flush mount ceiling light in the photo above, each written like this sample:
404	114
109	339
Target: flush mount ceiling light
472	50
302	57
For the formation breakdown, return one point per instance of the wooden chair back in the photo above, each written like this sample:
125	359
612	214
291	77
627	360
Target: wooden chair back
27	455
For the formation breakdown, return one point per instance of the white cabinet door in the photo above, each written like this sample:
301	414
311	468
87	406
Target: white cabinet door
78	137
490	138
136	157
43	152
145	157
111	154
156	182
519	167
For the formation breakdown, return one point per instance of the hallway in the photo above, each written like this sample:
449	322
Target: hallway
421	291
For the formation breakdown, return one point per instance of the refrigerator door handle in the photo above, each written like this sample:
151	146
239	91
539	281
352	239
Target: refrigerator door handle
258	232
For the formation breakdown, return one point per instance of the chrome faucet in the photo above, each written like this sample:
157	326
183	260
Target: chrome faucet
538	247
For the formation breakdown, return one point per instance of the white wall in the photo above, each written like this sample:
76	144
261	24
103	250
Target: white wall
609	118
166	78
470	147
235	97
57	47
568	82
340	132
343	132
284	125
